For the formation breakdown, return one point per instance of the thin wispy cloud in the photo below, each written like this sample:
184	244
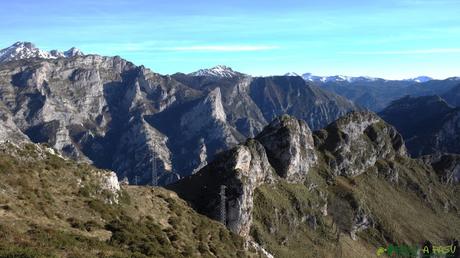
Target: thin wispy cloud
217	48
358	37
406	52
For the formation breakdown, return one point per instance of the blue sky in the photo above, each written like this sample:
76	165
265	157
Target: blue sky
389	39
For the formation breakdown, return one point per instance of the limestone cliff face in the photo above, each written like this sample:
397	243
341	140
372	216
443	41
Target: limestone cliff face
143	148
93	109
251	170
53	100
356	141
290	147
208	118
447	166
8	129
448	136
240	170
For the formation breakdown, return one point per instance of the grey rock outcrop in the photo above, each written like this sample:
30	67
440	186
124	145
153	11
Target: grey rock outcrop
208	119
356	141
108	182
8	129
290	147
241	170
447	166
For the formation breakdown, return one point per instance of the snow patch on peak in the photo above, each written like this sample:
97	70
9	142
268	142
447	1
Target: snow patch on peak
73	52
26	50
291	74
420	79
220	71
336	78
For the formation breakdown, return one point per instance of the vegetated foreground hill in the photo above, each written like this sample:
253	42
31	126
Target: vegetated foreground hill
343	191
428	124
52	207
147	127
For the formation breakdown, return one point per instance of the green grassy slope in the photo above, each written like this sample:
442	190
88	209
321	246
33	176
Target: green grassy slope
289	219
51	207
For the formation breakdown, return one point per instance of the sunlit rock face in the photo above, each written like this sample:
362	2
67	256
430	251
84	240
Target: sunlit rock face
356	141
290	147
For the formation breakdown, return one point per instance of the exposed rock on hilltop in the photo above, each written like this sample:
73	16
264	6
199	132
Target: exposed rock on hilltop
220	71
290	147
446	165
354	143
428	124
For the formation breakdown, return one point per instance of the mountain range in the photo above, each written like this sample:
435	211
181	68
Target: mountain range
376	93
27	50
428	124
149	128
243	166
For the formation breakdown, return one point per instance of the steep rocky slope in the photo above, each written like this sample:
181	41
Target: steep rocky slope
453	96
291	95
343	191
52	207
88	107
149	128
428	124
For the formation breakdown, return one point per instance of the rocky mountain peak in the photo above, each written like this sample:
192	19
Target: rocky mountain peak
219	71
420	79
27	50
210	108
290	147
357	141
73	51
